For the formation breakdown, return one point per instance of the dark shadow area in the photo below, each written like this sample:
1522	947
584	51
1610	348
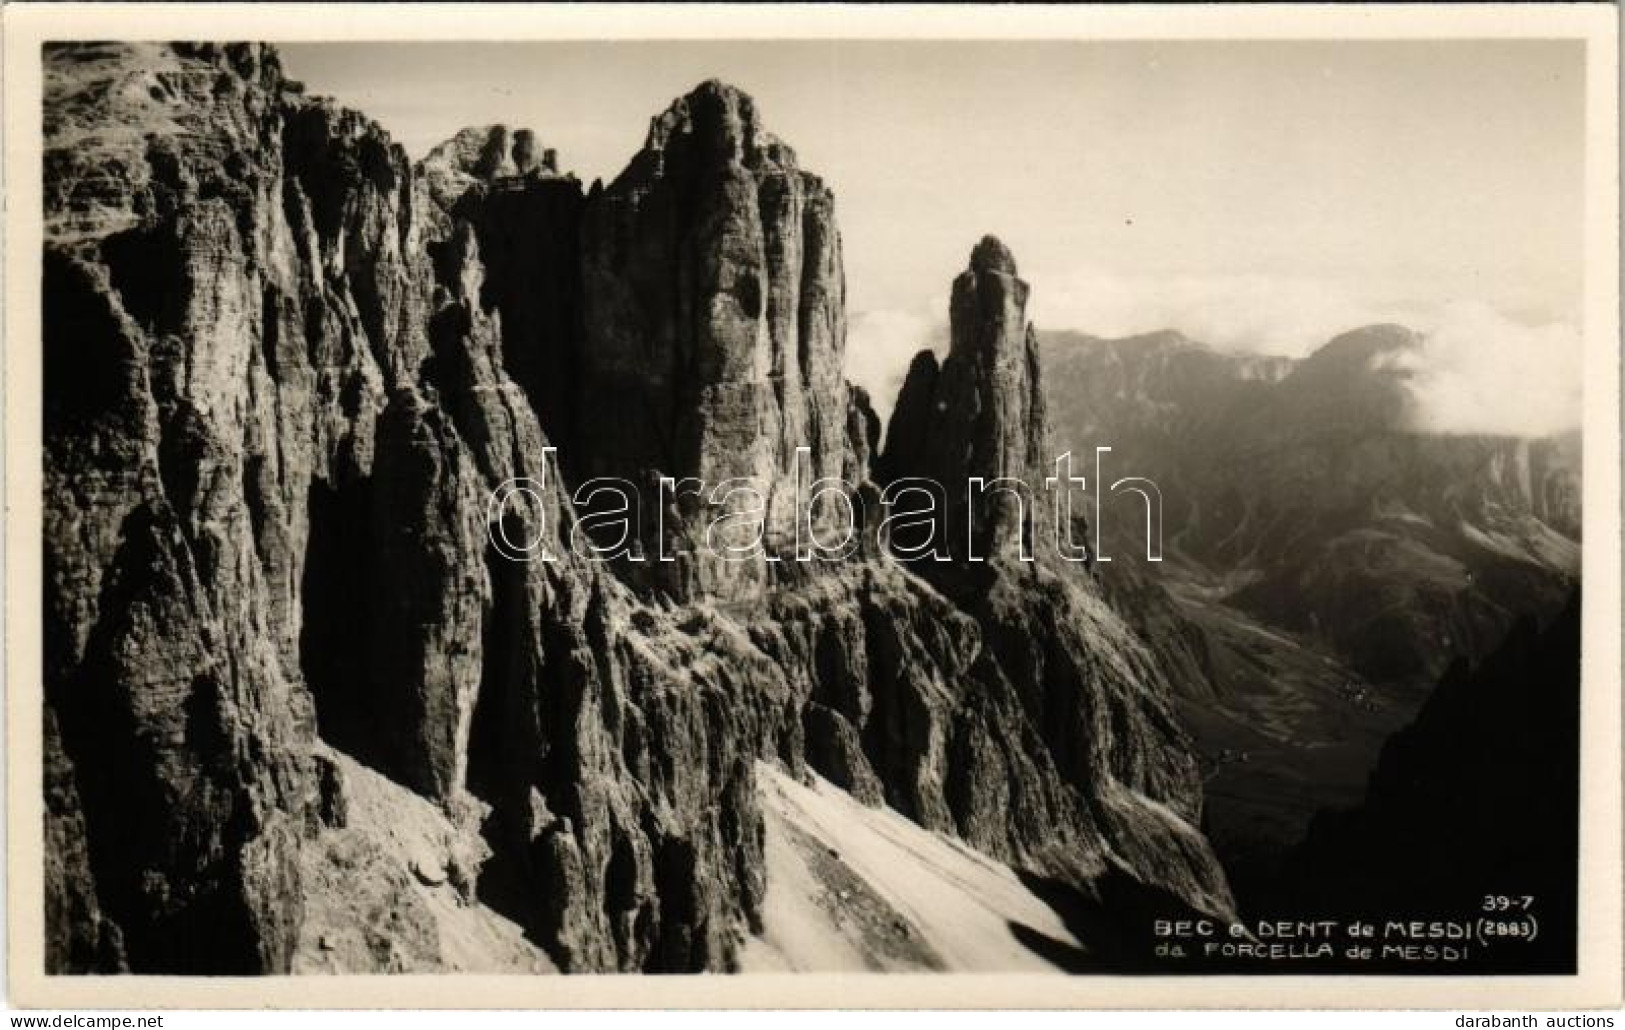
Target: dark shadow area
142	265
528	245
1463	858
352	712
1069	958
508	880
1115	924
88	364
498	743
490	730
1477	800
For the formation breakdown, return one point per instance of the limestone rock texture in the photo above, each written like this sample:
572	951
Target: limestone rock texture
1096	693
715	327
980	414
304	711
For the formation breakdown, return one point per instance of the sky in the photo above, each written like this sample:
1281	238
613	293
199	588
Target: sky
1259	196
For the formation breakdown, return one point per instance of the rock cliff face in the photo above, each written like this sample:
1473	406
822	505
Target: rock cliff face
1091	688
526	219
284	371
715	328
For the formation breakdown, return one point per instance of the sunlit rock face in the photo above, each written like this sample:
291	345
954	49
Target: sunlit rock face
976	424
1094	692
714	328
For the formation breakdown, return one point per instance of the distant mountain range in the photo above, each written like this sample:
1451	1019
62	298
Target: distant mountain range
1335	558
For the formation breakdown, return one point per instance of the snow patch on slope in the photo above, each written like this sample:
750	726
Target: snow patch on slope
852	888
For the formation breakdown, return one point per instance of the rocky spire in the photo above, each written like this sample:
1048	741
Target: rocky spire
981	414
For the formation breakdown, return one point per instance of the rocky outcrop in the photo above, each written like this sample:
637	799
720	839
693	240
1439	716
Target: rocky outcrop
526	217
714	303
1086	684
285	370
487	158
277	415
177	701
980	415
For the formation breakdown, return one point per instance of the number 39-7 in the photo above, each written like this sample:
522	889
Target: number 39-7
1506	903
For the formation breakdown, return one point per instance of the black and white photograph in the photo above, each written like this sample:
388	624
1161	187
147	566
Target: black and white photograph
1079	507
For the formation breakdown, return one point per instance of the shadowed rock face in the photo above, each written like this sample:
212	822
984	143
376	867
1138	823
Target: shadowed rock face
526	219
284	370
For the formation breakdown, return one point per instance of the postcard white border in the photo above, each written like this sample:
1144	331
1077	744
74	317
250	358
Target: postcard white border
1598	983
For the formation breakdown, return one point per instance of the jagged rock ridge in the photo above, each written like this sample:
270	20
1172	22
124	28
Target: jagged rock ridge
284	370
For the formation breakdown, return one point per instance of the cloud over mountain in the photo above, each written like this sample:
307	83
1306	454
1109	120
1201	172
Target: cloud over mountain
1480	369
